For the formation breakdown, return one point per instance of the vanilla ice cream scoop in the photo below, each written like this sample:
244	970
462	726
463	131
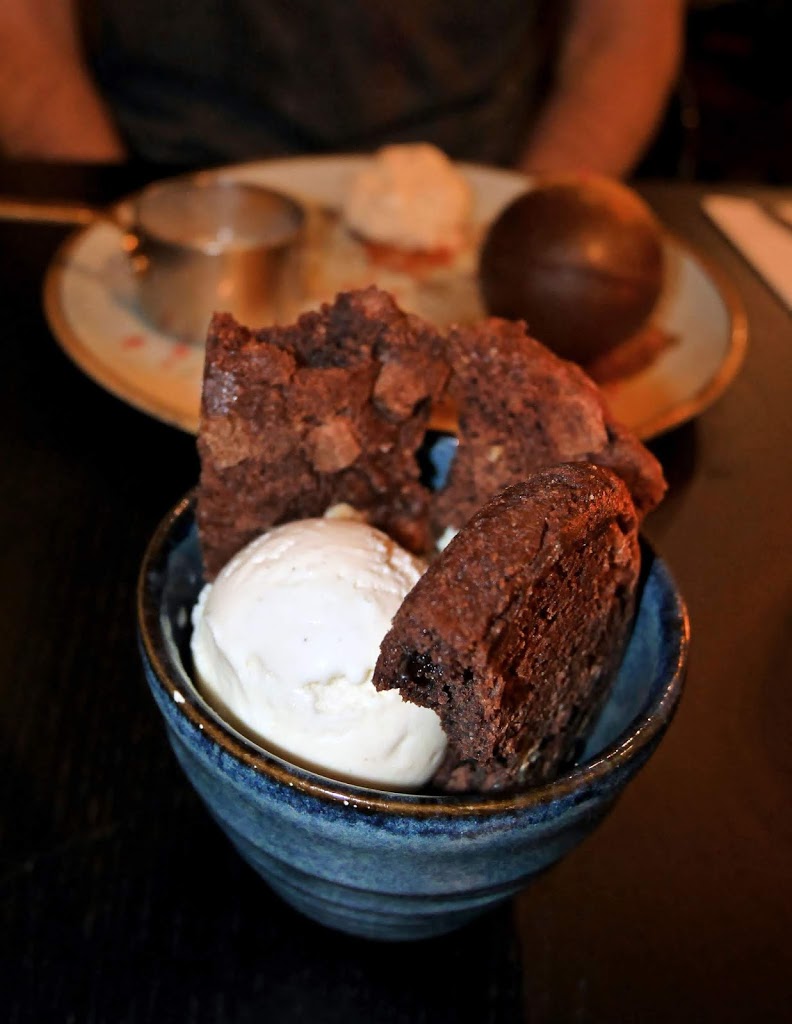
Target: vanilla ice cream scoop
284	646
410	197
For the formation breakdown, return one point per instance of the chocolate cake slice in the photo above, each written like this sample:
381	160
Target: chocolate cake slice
521	408
515	632
328	410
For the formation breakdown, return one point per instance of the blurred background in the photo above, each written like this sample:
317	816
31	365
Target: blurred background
730	118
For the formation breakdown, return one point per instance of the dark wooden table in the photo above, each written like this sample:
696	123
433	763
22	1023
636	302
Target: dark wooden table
122	902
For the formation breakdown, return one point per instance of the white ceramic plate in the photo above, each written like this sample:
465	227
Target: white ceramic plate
89	300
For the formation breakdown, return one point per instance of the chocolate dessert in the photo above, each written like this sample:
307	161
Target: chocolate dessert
329	410
521	408
516	630
580	258
334	408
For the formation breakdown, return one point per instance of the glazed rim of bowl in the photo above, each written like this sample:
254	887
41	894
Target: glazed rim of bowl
175	681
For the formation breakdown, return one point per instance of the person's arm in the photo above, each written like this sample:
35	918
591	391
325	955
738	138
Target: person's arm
49	105
617	66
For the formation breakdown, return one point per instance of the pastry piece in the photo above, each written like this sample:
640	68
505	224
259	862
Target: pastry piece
328	410
516	630
521	408
410	197
632	356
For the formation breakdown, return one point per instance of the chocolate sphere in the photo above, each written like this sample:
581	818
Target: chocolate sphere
580	259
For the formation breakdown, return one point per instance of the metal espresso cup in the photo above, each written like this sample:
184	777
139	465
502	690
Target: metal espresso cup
198	245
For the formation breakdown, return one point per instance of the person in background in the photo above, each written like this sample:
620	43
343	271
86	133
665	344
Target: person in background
543	85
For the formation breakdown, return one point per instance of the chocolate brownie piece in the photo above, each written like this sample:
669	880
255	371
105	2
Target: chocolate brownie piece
515	632
521	408
331	409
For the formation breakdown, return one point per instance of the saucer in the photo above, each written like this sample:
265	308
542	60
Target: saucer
90	303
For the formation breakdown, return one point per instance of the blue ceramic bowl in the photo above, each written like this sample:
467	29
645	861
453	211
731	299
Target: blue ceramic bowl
384	865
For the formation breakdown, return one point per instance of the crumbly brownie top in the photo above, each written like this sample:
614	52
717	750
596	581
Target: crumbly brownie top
515	631
334	408
521	408
331	409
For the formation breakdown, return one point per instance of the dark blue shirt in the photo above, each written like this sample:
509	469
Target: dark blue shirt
196	81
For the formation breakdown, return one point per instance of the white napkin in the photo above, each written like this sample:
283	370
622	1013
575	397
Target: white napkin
762	239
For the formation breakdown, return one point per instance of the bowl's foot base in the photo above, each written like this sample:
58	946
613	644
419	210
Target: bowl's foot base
385	925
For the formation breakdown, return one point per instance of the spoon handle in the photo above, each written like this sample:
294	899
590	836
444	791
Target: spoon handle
56	211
